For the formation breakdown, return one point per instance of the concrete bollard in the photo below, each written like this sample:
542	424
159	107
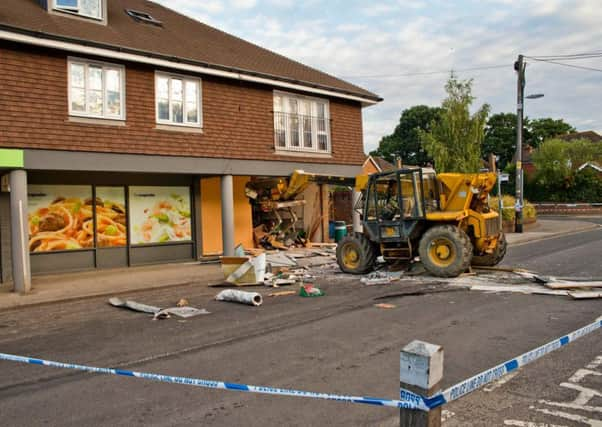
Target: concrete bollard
420	371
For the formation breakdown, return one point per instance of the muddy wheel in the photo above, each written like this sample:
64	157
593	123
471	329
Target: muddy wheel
445	251
494	258
356	254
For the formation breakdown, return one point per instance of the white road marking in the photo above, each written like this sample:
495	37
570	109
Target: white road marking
572	406
529	424
595	363
446	415
585	394
500	382
572	417
582	373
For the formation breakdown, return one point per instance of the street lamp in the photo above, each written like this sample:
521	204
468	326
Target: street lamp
519	67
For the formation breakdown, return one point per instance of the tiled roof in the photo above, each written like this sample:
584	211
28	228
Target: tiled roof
180	38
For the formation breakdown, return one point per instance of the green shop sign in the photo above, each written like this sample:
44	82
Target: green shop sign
10	158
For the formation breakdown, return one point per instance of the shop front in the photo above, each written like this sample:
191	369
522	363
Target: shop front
82	221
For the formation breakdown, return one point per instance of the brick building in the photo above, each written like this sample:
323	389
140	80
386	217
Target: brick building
128	133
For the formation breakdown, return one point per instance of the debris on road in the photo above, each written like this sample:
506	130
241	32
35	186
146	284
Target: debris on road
586	294
432	288
310	291
385	306
381	277
564	284
157	312
243	297
282	293
183	302
244	271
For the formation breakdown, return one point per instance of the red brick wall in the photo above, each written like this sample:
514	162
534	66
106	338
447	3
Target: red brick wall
237	116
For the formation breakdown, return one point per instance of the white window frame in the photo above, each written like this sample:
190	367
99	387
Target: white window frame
105	66
184	78
313	101
77	11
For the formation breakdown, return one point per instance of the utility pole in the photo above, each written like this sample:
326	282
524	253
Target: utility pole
519	67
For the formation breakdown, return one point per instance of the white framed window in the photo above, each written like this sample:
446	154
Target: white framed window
96	89
178	100
87	8
301	123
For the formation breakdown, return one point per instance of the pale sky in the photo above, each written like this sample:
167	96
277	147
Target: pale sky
403	50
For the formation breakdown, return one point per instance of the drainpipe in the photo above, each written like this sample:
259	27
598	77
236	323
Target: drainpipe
19	231
227	214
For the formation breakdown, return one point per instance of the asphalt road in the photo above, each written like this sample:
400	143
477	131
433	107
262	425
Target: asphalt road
339	343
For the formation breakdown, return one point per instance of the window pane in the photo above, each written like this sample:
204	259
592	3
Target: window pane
113	103
113	78
307	132
322	142
294	130
176	90
78	100
320	109
94	77
67	4
111	217
95	102
77	75
277	103
192	114
163	109
162	87
177	115
90	7
280	128
191	92
293	106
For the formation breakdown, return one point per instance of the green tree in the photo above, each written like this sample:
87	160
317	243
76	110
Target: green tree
405	140
539	130
454	142
581	151
500	138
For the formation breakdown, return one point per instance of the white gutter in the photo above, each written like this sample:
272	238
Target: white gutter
108	53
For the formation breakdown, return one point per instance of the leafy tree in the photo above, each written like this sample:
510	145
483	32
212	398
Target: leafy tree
588	186
455	140
583	150
500	137
405	140
546	128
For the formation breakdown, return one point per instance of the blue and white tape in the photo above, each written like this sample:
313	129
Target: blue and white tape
218	384
408	399
473	383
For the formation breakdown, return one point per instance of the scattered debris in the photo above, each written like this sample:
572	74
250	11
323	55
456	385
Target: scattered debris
282	293
424	291
182	303
309	290
586	295
564	284
279	259
385	306
157	312
234	295
381	277
244	271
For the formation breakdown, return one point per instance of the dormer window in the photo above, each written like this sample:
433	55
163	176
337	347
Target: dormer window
86	8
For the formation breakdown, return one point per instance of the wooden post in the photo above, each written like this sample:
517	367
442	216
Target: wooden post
325	211
421	370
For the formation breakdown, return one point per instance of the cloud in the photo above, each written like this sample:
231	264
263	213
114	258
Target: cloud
243	4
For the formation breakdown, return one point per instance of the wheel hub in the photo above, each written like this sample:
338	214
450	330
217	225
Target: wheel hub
442	252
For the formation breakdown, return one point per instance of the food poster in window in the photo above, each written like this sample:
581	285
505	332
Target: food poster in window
111	217
60	217
159	214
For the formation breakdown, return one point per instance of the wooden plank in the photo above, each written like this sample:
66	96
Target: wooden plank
586	295
572	285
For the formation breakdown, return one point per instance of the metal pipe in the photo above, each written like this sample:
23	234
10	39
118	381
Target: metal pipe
227	189
21	270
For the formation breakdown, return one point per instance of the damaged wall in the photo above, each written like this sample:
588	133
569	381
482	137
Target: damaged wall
211	215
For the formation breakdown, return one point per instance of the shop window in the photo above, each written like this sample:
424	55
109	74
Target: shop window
111	217
178	100
86	8
301	123
60	217
96	90
159	215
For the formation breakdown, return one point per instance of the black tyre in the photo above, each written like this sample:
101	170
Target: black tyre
356	254
445	251
494	258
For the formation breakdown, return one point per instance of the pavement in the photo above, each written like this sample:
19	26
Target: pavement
73	286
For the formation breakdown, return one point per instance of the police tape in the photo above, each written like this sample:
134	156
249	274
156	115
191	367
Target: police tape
406	404
473	383
408	399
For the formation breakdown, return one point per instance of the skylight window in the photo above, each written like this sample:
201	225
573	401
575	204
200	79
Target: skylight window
143	17
86	8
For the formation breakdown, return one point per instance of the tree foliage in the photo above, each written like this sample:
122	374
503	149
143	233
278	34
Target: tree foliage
405	140
454	142
541	130
500	137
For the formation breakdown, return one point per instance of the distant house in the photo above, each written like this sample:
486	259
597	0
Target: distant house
375	164
588	134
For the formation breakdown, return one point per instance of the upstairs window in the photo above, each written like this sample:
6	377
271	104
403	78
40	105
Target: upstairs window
301	123
178	100
96	90
86	8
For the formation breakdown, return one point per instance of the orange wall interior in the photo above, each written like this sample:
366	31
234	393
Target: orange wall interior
211	215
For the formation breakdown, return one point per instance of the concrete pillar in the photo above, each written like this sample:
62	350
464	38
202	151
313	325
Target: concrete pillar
19	231
227	214
421	371
357	220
